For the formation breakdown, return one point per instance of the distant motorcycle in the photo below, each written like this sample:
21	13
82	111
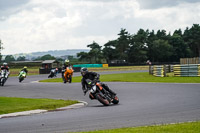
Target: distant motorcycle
68	75
52	73
3	77
101	94
22	76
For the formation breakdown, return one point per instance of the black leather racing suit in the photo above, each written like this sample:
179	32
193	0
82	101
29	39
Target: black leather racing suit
7	69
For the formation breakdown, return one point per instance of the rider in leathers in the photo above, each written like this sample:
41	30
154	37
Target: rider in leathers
25	69
5	66
65	65
94	77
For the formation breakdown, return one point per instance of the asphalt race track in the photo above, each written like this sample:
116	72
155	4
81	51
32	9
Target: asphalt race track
140	104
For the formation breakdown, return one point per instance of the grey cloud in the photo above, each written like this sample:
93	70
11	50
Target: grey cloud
101	0
155	4
5	4
8	7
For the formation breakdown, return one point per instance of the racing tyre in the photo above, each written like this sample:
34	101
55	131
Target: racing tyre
115	100
70	78
102	100
20	79
2	82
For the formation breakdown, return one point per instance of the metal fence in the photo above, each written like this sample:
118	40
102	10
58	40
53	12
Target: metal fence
195	60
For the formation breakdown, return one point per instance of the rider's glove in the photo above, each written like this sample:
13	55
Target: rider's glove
95	80
85	91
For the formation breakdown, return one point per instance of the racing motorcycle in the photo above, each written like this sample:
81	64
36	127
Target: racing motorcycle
22	76
68	75
52	73
3	77
97	91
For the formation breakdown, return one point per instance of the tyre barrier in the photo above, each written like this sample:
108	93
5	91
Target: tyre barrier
158	71
189	70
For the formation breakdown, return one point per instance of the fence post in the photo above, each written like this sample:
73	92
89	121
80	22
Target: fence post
150	70
165	70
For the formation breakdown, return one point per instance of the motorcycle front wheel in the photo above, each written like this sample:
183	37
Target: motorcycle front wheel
2	81
70	78
115	100
102	100
20	79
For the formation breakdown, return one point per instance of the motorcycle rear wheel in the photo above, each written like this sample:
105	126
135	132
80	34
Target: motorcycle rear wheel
102	100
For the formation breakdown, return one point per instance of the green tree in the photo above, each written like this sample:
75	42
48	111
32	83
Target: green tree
192	38
60	59
161	34
9	58
161	51
83	56
150	39
123	44
180	48
46	57
70	57
109	51
21	58
178	32
138	49
95	52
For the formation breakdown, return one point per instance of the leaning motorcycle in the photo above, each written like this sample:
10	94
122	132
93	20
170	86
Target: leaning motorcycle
52	73
3	77
22	76
97	91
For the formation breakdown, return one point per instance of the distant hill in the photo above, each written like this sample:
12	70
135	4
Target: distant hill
56	53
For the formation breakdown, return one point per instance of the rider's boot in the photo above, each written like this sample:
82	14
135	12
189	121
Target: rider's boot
108	89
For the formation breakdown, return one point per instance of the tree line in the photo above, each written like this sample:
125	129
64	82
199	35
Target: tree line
156	46
10	58
146	45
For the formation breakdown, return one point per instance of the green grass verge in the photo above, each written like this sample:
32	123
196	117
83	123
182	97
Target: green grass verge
120	68
35	70
13	104
135	77
188	127
31	71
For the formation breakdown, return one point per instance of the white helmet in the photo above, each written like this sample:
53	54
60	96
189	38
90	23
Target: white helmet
5	64
66	61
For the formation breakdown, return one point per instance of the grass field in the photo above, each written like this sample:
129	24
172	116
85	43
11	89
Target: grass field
35	70
31	71
120	68
13	104
188	127
135	77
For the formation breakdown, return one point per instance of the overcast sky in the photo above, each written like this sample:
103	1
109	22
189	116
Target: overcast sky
41	25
